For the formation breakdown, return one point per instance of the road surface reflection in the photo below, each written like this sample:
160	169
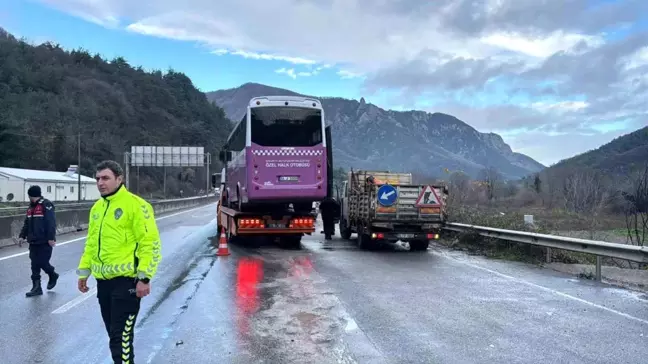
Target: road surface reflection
248	276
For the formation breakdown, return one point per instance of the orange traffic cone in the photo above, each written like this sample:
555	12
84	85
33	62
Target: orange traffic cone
223	250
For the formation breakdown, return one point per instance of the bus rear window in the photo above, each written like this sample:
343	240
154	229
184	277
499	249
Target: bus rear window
286	126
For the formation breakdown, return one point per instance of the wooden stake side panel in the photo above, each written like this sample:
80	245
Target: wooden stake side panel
364	206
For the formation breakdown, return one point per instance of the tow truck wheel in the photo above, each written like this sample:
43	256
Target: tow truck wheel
419	245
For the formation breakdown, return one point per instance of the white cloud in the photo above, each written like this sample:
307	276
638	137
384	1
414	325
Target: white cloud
265	57
548	64
541	46
561	106
346	74
93	11
290	72
636	60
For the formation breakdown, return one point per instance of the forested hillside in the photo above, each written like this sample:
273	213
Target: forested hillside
625	154
48	95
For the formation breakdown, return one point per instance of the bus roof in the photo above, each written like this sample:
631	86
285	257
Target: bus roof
278	100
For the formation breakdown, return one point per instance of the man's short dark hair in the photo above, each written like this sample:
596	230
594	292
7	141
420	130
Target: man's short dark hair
116	169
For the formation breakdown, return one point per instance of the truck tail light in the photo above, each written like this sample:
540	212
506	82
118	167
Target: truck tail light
251	224
302	223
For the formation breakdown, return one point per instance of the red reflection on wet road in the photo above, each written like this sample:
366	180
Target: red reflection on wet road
249	274
301	267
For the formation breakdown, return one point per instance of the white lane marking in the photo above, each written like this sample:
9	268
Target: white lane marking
85	236
66	307
558	293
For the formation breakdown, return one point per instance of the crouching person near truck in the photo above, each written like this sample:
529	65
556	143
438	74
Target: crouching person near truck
122	252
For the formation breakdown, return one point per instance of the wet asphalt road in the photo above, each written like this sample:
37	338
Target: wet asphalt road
326	303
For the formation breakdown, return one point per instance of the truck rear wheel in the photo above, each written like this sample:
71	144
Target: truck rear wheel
419	245
365	242
345	232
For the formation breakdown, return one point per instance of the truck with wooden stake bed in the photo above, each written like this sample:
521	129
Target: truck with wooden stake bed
380	206
276	165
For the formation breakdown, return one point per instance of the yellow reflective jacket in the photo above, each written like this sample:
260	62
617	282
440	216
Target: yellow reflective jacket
123	238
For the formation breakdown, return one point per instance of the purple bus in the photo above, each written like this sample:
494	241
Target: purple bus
277	155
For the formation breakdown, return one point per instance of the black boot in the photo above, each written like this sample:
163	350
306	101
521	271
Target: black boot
36	289
53	278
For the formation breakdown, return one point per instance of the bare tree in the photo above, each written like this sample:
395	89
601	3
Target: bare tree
459	187
511	188
549	187
493	180
585	192
636	212
537	183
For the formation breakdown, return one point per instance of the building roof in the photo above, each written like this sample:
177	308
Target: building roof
49	176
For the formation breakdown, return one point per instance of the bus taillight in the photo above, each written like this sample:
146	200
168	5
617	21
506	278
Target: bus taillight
251	224
302	223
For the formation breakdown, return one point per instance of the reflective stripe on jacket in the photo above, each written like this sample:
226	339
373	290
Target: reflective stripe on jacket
123	238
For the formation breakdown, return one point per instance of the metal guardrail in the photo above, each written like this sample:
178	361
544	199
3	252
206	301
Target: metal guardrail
598	248
76	219
66	206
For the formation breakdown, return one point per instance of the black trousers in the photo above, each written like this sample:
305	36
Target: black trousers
40	255
119	308
329	226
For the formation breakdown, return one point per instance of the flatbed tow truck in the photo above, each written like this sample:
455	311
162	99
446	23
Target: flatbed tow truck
286	228
283	226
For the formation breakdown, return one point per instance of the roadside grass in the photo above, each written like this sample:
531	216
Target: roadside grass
555	222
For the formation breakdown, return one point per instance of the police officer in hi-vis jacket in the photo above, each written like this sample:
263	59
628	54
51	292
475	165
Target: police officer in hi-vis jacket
122	253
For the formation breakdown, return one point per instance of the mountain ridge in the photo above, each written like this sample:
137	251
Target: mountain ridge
356	117
367	136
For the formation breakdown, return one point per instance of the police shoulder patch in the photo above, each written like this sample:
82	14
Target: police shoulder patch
118	213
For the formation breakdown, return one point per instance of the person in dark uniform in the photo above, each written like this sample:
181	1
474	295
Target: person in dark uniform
39	230
327	209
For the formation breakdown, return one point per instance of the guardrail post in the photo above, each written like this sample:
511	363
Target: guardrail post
599	268
549	256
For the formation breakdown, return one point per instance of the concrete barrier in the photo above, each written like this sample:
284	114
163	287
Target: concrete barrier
75	218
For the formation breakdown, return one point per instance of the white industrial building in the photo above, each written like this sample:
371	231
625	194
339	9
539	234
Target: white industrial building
55	186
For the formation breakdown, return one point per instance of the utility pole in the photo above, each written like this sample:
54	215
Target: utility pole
208	176
79	165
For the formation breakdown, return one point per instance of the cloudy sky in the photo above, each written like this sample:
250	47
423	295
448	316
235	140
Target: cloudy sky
554	77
